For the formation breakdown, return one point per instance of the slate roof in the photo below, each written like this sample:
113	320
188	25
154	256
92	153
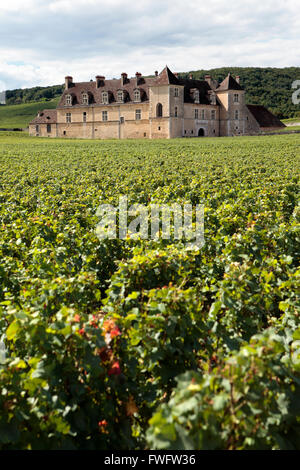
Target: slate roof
47	116
264	117
229	83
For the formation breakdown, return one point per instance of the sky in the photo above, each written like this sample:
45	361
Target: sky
43	41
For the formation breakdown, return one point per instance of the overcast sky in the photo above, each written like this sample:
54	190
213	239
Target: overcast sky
42	41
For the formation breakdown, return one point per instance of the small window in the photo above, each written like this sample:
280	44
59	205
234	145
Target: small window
48	128
145	134
120	96
236	98
202	114
85	98
122	119
37	128
197	96
137	95
159	110
213	114
84	117
192	132
68	117
138	114
69	100
176	111
104	116
196	113
64	132
176	92
104	97
236	115
159	128
185	132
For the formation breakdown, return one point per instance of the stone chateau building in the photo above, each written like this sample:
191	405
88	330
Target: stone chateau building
163	106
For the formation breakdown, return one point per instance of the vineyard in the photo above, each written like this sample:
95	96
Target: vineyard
140	343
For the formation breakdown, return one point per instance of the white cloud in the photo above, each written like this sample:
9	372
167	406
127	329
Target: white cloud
41	42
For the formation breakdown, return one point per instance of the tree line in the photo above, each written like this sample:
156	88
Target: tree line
271	87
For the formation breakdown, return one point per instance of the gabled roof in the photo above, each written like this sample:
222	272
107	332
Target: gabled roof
229	83
264	117
47	116
166	77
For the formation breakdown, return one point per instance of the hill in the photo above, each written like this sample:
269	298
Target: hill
19	115
271	87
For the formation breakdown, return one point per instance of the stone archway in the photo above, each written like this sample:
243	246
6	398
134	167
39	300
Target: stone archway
201	132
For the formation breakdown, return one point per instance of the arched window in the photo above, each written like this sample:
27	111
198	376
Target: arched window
120	96
236	115
68	100
176	111
137	95
104	97
85	98
159	110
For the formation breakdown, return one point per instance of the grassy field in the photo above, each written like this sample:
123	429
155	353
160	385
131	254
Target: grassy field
290	121
141	343
19	116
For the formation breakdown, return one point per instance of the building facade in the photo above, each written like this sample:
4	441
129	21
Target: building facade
164	106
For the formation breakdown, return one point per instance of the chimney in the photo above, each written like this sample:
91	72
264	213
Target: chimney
207	78
99	81
138	76
190	76
39	114
123	78
237	79
156	73
68	82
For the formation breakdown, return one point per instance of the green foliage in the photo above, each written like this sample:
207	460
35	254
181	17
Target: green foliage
29	95
270	87
249	400
94	335
19	116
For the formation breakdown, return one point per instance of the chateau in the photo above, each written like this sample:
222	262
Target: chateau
163	106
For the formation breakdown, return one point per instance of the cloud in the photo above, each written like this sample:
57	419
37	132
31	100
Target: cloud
41	42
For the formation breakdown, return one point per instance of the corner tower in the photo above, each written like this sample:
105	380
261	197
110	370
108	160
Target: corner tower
233	108
166	111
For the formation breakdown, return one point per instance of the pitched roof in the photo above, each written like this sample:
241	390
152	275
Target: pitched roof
229	83
47	116
191	85
264	117
111	87
166	77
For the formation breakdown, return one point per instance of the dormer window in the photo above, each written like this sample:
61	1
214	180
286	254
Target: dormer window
176	92
197	96
120	96
68	100
236	98
213	99
137	95
85	98
104	97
